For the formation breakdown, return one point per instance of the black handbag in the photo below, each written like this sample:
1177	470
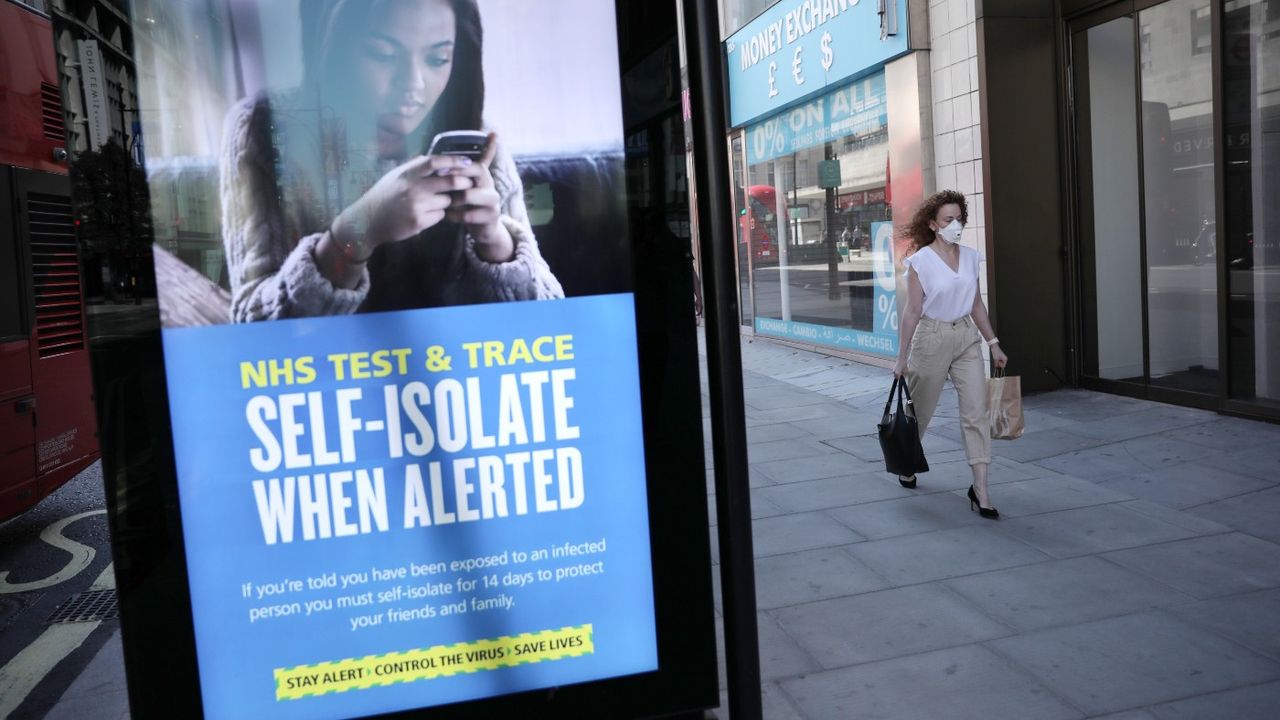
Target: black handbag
900	434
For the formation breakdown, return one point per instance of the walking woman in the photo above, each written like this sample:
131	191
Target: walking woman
945	329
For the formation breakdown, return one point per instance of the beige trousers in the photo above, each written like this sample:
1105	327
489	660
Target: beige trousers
939	349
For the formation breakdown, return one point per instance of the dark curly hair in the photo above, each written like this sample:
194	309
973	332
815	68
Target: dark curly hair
919	231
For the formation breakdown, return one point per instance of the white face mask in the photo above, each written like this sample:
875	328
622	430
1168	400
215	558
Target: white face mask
951	233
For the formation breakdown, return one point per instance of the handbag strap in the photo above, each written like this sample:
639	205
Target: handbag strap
893	391
910	406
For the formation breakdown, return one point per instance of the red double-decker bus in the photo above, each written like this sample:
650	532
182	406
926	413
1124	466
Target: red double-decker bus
48	432
756	223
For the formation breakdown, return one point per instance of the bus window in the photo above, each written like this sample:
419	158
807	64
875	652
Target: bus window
11	315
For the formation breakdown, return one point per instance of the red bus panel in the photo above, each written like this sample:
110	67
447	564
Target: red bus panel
48	432
31	124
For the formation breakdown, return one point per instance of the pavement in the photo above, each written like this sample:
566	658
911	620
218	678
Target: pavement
1134	573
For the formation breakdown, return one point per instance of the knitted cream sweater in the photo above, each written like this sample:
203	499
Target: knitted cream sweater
275	276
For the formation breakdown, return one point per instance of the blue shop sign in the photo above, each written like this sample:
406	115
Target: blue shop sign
859	109
799	47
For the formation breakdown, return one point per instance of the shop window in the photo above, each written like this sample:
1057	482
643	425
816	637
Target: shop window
820	251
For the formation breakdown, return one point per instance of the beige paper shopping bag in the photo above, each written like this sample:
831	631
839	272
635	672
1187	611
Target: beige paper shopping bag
1004	402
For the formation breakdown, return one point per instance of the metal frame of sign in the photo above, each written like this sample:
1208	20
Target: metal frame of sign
151	563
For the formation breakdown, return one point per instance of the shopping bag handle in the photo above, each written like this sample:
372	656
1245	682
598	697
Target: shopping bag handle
898	389
893	391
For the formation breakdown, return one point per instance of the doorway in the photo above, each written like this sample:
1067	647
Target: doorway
1142	111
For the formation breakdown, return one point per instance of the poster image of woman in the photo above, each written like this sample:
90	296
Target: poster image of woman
329	204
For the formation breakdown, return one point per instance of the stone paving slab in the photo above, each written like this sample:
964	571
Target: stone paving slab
867	445
1227	434
1197	525
1250	620
1250	702
777	431
1186	485
1145	421
958	684
827	465
834	492
886	624
1261	462
1090	530
1126	458
1037	496
1064	592
1133	661
1207	567
1041	444
799	531
825	429
775	703
910	515
809	575
761	452
1253	513
945	553
782	397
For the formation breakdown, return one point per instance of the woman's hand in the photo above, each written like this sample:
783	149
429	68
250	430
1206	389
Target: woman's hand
998	357
900	367
478	208
407	200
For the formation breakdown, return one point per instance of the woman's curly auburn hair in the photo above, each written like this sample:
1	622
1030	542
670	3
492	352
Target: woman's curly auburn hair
919	231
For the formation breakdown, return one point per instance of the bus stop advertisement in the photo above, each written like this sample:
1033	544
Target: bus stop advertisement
399	447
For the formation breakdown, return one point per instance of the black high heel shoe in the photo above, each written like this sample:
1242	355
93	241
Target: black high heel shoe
908	484
985	512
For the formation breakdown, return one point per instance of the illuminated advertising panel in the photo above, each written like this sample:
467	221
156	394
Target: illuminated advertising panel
405	406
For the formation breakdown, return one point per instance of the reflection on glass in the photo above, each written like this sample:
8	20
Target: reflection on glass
743	230
1251	89
1178	190
736	13
815	197
1109	145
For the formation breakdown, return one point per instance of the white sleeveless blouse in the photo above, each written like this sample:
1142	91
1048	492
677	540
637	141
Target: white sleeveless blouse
948	294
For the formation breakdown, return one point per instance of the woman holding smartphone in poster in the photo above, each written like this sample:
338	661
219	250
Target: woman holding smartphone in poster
383	80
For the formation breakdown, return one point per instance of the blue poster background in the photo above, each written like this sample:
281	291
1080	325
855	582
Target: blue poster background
225	540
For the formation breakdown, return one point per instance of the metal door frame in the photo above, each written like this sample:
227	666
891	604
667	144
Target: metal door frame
1078	336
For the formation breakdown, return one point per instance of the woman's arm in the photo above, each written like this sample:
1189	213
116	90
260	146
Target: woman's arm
910	319
271	275
983	321
524	275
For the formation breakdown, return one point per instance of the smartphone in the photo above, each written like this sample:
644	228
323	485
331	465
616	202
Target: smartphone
466	143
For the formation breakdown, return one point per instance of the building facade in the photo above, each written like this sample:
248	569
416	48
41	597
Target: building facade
1109	149
1171	159
94	44
833	108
